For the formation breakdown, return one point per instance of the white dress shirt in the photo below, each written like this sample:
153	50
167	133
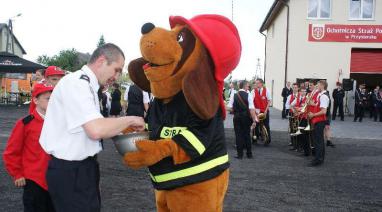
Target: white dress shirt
288	103
324	100
232	94
250	100
73	103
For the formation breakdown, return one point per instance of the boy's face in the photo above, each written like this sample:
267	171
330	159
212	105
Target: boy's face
295	88
53	80
42	100
303	92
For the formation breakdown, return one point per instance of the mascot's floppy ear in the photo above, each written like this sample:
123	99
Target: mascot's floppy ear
200	89
137	74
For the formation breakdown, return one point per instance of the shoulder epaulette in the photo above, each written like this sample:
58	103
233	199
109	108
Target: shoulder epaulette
28	119
85	77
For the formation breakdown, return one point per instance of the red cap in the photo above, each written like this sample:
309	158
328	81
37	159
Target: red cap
54	70
40	88
221	38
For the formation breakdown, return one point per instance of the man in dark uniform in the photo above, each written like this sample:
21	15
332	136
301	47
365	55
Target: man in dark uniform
244	114
285	93
338	98
359	103
137	101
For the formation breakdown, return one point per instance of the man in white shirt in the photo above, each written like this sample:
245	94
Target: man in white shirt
262	100
231	93
291	98
73	129
317	116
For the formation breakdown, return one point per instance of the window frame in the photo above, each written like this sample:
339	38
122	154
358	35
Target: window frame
360	18
318	17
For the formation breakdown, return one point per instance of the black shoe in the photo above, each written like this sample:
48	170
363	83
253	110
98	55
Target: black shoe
306	154
239	157
342	120
329	143
290	144
250	156
354	120
360	120
292	149
315	163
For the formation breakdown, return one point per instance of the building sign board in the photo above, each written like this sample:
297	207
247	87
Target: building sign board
345	33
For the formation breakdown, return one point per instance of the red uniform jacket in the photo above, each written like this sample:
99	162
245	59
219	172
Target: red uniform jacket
317	109
23	155
261	101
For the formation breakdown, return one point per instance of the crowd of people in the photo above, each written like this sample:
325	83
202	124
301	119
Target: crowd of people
306	105
57	148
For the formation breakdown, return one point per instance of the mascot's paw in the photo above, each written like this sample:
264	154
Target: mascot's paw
149	152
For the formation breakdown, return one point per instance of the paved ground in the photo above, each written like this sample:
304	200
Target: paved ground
275	180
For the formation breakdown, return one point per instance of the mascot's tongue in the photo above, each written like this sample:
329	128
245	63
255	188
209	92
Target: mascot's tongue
146	66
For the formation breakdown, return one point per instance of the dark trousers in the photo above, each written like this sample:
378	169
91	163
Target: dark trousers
303	139
36	199
378	112
74	185
359	111
242	125
284	112
318	139
340	107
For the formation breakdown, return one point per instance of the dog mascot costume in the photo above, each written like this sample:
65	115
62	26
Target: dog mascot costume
184	68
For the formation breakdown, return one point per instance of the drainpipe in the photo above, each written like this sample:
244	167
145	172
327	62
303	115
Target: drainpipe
265	54
286	42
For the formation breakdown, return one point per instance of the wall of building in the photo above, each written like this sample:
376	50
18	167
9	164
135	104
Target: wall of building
315	59
275	44
3	44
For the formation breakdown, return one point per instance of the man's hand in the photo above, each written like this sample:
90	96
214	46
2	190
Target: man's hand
310	115
253	125
137	123
20	182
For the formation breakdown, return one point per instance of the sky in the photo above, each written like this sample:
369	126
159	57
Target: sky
48	26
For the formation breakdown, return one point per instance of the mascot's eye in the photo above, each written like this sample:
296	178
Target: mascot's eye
180	38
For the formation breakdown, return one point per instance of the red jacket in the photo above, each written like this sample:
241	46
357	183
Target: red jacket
299	103
317	109
23	155
261	101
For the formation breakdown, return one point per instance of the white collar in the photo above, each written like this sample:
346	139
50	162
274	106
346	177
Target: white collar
40	114
92	77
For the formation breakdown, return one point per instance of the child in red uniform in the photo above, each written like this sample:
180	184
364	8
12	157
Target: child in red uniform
24	158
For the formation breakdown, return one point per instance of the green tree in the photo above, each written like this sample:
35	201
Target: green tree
101	41
65	59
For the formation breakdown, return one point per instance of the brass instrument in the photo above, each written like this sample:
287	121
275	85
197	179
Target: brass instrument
261	117
305	107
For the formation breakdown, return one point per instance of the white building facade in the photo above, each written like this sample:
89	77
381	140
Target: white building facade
322	39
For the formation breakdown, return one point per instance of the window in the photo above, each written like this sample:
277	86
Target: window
361	9
319	9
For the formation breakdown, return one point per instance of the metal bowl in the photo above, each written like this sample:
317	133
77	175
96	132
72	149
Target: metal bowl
126	143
